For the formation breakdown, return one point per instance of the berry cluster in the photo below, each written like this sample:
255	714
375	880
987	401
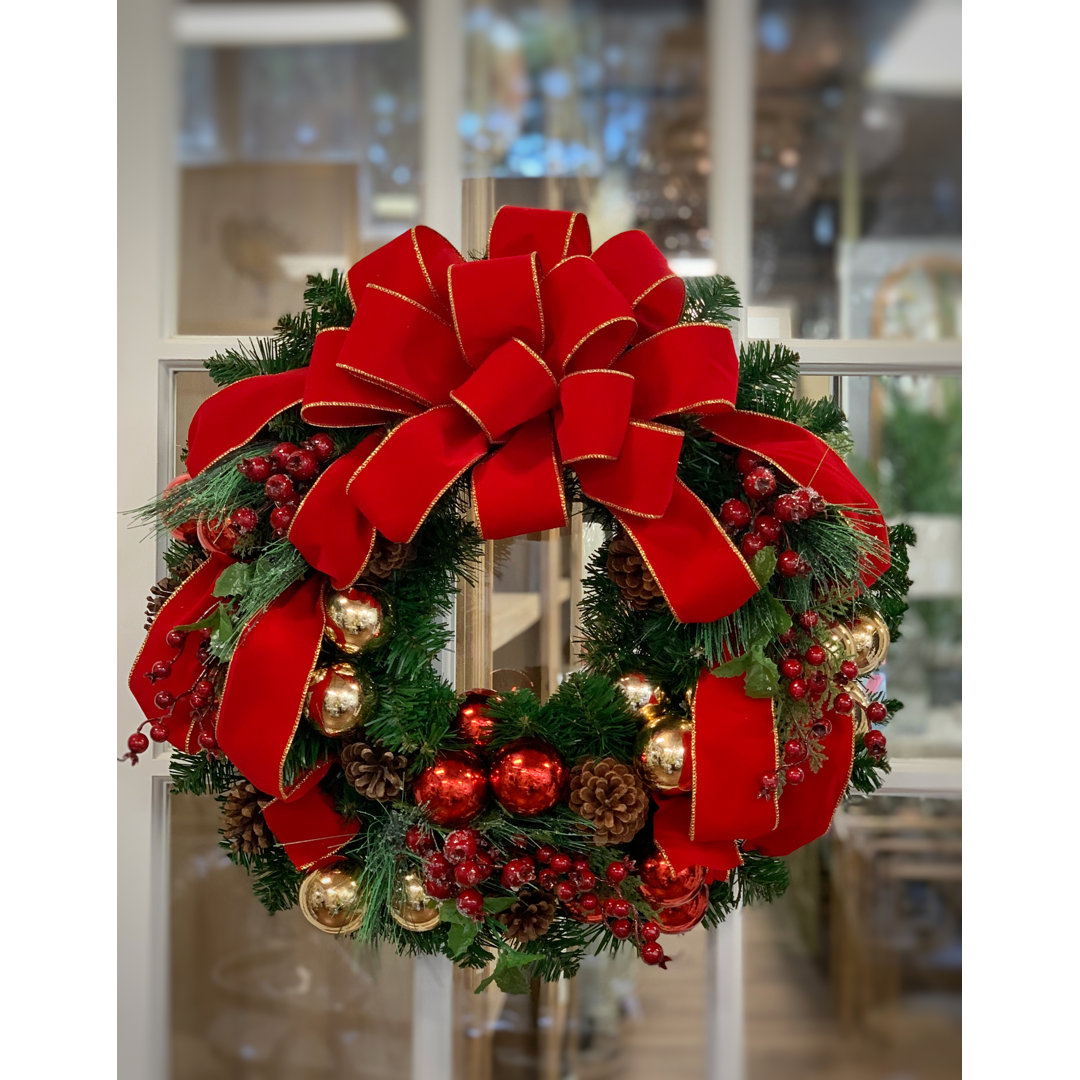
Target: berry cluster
286	474
468	859
763	520
201	696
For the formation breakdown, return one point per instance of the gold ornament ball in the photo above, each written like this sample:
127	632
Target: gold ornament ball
858	713
638	690
356	619
869	641
661	750
339	698
330	901
410	905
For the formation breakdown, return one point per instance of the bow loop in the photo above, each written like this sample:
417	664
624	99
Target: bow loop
594	412
553	234
638	269
414	264
641	481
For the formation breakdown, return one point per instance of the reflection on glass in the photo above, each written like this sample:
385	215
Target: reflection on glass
857	207
856	973
255	997
907	433
294	159
613	94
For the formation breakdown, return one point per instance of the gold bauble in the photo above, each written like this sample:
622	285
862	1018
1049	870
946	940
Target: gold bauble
356	619
410	905
858	714
869	641
661	750
638	690
339	698
330	901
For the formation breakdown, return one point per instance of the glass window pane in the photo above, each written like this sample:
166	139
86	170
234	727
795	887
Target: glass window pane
857	176
907	452
855	974
295	156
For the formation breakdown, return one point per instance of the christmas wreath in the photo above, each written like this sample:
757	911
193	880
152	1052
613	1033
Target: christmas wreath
343	480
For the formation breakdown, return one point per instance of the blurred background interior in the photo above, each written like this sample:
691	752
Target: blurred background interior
810	148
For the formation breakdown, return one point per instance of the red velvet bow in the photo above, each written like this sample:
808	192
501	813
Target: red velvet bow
260	707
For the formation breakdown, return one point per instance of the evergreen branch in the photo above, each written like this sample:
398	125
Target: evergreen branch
201	774
711	300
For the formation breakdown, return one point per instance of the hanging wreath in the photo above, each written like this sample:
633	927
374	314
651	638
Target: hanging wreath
339	486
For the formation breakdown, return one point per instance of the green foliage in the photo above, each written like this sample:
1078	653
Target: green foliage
760	879
889	593
867	773
275	881
201	774
711	300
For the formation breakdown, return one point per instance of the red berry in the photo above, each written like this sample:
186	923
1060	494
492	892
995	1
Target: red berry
810	502
750	545
320	444
808	619
544	854
207	740
197	700
797	688
818	683
803	568
160	669
745	461
786	508
794	775
437	866
843	703
615	907
652	952
280	519
768	528
257	469
621	928
815	655
589	901
759	482
302	465
735	514
163	699
875	712
518	872
138	743
418	840
440	888
159	732
280	454
794	751
787	562
586	881
580	864
471	903
790	668
565	891
789	635
460	844
547	879
561	862
616	872
279	489
205	687
822	728
769	781
874	741
650	931
175	639
849	669
473	871
243	519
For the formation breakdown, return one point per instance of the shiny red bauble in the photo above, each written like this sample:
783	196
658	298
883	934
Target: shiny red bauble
473	722
454	789
735	514
663	886
678	918
759	482
216	537
528	777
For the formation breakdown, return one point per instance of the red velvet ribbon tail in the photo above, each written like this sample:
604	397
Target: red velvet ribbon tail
310	829
671	831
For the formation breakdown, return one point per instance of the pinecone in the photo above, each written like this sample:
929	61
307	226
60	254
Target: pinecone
610	795
386	557
376	772
529	917
627	568
163	589
245	827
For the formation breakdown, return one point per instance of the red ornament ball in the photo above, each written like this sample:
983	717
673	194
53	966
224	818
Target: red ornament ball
474	723
528	777
875	712
216	537
787	562
759	482
663	886
735	514
454	789
679	918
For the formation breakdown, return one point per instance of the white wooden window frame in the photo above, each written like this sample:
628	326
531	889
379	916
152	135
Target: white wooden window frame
147	280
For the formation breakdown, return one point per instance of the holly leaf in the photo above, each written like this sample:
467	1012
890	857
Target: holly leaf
234	580
449	913
217	622
763	565
495	904
762	676
510	975
461	936
732	668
